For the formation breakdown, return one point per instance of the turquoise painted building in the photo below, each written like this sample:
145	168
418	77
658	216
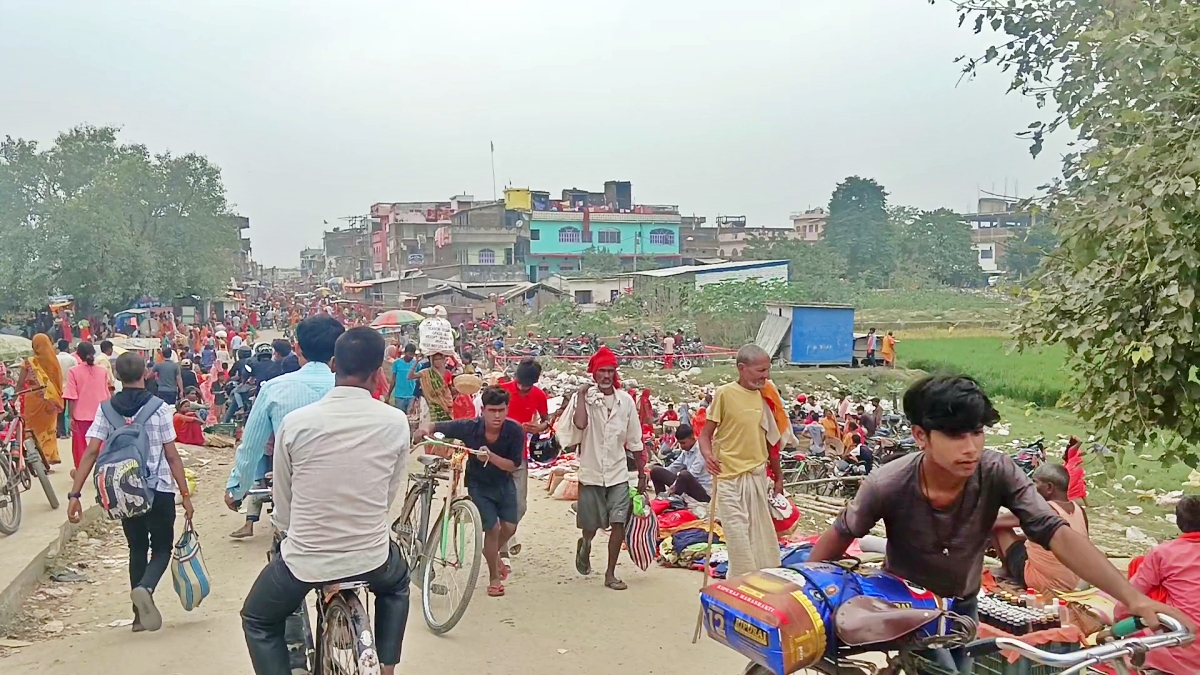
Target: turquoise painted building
557	239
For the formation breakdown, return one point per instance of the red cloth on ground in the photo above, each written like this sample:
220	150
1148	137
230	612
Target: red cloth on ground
675	519
188	429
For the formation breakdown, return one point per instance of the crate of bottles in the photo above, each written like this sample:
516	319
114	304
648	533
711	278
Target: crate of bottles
1017	614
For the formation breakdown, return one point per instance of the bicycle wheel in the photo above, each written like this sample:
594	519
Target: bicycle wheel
346	645
10	497
406	531
451	570
33	459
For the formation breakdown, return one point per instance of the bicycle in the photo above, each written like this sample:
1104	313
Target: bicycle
453	544
21	458
343	643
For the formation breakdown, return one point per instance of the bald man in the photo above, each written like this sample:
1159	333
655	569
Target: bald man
734	445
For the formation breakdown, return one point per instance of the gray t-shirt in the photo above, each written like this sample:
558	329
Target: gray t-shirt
166	371
942	550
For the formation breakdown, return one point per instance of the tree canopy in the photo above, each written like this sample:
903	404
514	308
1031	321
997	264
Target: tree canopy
858	230
935	245
1120	291
109	222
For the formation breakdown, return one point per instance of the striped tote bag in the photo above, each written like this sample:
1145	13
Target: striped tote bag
188	573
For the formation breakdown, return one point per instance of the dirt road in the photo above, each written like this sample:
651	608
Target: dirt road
552	621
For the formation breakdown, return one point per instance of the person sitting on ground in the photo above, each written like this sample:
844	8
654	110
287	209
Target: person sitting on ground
830	424
1171	571
860	453
687	474
851	432
1027	563
339	464
669	415
489	478
187	424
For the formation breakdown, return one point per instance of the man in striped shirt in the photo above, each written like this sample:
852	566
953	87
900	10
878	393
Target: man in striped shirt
276	398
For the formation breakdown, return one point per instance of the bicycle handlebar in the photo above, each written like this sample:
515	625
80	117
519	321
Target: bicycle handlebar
1077	661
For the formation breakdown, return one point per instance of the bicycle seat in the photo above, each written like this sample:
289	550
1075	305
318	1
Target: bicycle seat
429	460
863	620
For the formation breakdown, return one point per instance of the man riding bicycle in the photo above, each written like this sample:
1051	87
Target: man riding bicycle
939	506
338	465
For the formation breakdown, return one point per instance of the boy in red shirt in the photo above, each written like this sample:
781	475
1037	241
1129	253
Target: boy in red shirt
528	406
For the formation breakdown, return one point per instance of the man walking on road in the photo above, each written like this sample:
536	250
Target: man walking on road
735	449
602	420
529	406
338	466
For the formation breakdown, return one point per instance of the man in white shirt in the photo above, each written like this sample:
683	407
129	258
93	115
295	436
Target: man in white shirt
338	465
603	421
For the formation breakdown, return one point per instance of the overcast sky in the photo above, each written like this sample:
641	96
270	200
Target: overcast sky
316	110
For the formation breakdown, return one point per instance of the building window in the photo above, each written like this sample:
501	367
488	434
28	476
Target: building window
487	256
662	237
613	295
608	237
543	268
583	297
570	235
566	268
985	254
535	235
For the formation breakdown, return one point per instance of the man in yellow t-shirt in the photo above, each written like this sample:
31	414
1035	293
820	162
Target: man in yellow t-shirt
734	445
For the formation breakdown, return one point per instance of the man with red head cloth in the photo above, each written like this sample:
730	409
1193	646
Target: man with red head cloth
603	421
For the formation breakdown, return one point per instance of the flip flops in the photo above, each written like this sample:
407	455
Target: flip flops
495	590
583	556
616	585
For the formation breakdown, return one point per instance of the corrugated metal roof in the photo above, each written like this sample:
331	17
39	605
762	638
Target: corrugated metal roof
685	269
772	332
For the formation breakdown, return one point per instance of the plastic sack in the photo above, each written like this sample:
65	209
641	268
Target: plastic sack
435	336
784	514
189	576
568	488
641	538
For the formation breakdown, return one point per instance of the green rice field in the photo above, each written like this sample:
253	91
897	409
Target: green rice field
1038	376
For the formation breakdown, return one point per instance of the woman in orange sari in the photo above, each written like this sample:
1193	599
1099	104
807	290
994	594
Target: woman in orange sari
42	408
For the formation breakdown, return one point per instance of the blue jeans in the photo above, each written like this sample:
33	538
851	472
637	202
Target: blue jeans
404	403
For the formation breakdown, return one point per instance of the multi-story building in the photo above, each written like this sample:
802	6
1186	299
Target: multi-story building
244	261
402	232
485	242
698	240
558	239
312	264
348	253
809	225
997	221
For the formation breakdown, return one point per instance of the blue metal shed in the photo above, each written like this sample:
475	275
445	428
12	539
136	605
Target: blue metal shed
809	335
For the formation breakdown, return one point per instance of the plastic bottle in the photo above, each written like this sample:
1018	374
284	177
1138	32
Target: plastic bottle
1064	613
1031	599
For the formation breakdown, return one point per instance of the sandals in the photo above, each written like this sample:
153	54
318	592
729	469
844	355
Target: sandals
495	590
583	556
616	585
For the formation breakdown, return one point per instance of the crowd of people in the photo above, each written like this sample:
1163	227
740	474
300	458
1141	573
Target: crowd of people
367	399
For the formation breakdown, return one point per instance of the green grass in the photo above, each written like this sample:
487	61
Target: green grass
1036	375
